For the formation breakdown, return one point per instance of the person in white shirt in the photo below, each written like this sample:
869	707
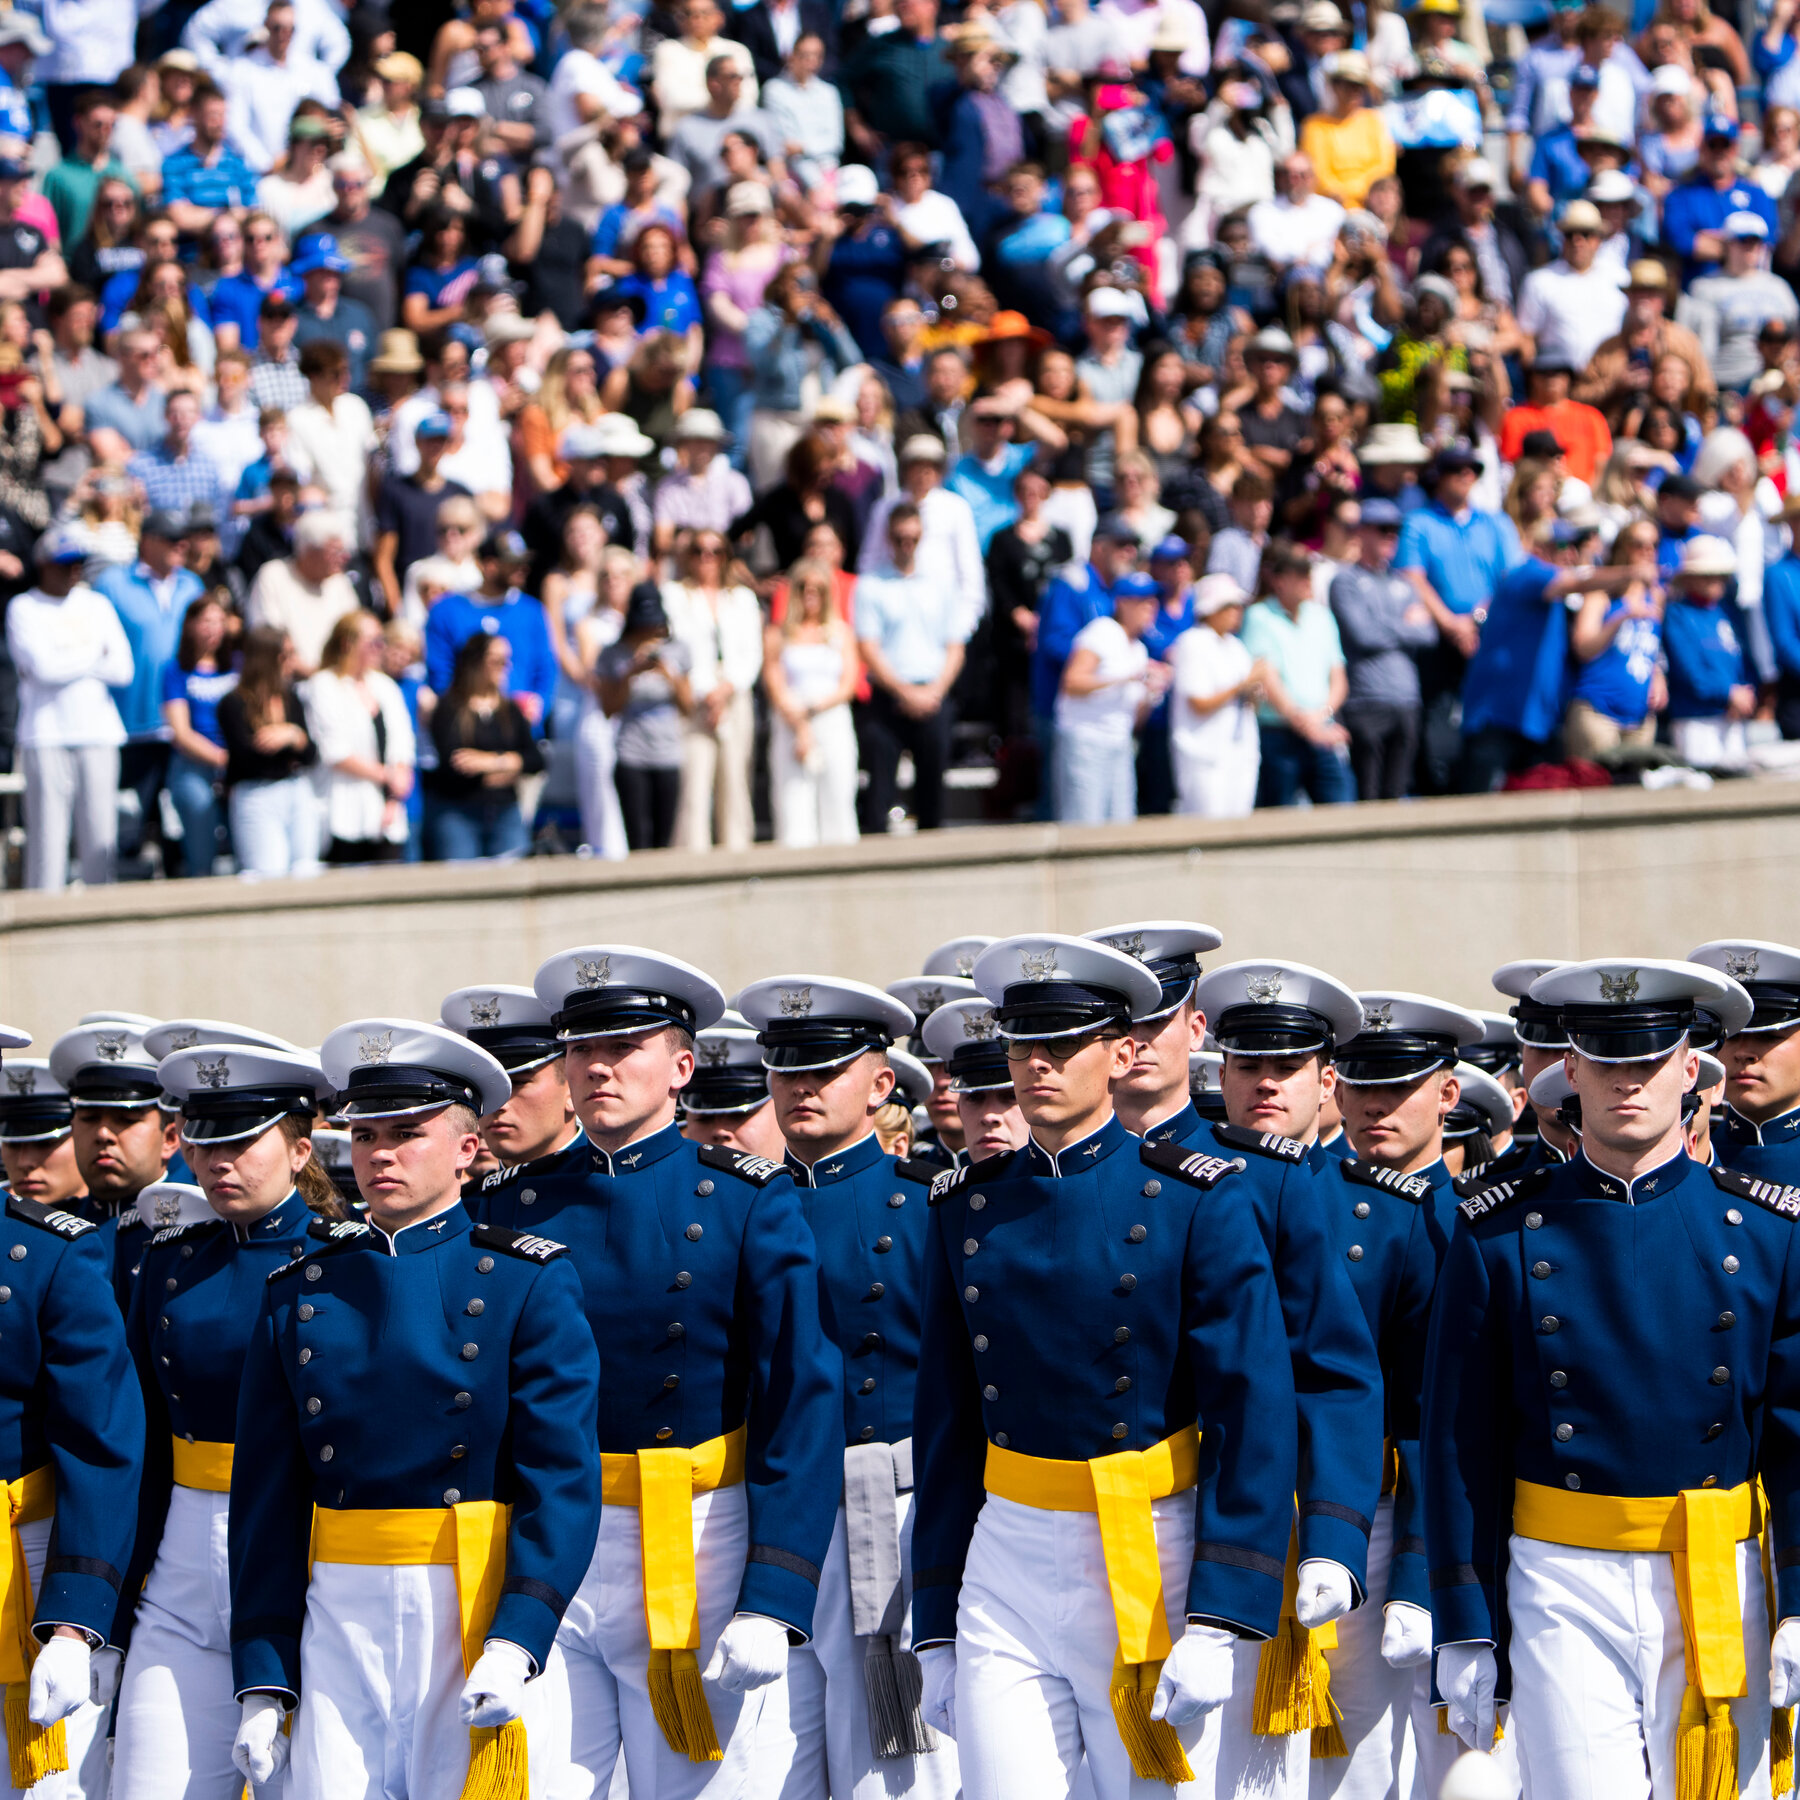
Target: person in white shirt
332	436
1570	307
924	216
583	90
722	628
222	30
266	84
69	648
1299	227
809	113
1213	738
91	41
229	436
678	65
1108	686
951	550
1237	146
307	593
478	454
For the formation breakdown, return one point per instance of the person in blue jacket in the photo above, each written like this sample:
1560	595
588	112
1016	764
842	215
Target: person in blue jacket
1093	1302
700	1286
853	1689
502	609
72	1423
247	1116
1696	208
418	1480
1712	689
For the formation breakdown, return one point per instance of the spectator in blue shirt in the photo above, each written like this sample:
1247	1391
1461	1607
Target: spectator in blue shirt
1618	688
161	243
328	312
237	299
195	680
501	609
670	300
207	177
984	475
1711	689
1517	681
1781	609
1558	170
440	275
1695	211
174	473
865	269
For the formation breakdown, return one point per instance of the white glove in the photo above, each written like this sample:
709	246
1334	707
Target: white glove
1325	1592
261	1748
59	1680
1784	1664
751	1652
1468	1678
494	1694
103	1675
938	1667
1405	1635
1197	1675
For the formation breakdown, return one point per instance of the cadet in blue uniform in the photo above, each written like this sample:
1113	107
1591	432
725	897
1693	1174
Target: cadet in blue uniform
1262	1741
1480	1123
1623	1327
1761	1055
1203	1084
1089	1302
246	1124
719	1423
853	1691
36	1145
942	1140
1390	1208
964	1035
726	1100
1542	1045
123	1139
513	1026
72	1422
418	1483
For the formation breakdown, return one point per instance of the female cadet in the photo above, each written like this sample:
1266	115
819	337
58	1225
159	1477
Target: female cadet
247	1116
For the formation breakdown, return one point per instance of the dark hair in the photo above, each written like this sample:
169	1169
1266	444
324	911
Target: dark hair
806	461
323	356
1253	487
131	83
901	510
902	154
91	99
434	222
65	299
469	676
259	670
187	650
316	1187
1284	558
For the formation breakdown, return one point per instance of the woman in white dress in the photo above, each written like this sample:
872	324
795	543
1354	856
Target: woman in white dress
1212	715
810	671
596	736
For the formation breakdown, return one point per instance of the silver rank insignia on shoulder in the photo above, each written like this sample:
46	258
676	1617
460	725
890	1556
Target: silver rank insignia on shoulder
484	1013
1619	990
214	1074
757	1168
109	1046
374	1047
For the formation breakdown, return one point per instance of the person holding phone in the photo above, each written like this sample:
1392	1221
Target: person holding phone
644	685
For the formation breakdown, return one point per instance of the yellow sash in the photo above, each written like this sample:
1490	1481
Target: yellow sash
1699	1529
204	1466
471	1538
662	1484
1118	1489
33	1750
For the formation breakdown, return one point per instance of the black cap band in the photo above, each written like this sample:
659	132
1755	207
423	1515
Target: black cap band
1272	1030
1540	1025
1177	975
1373	1058
28	1121
1041	1009
106	1084
404	1087
1707	1031
1777	1005
217	1116
618	1011
1626	1033
818	1043
1495	1059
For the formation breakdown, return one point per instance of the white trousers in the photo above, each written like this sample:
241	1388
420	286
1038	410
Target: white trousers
70	786
1225	789
602	1671
814	808
1231	1761
381	1672
596	754
177	1716
715	781
84	1729
1035	1641
1598	1672
828	1704
275	827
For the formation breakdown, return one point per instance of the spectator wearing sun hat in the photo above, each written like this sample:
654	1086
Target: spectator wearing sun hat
1350	146
1570	307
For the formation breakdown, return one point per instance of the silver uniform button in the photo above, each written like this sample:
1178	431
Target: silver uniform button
1119	1431
485	1266
312	1271
1549	1323
1152	1189
470	1352
1559	1378
171	1285
1355	1253
326	1453
1137	1234
990	1392
1730	1265
452	1496
1564	1433
305	1358
1361	1209
1720	1375
981	1343
1533	1221
475	1308
17	1253
528	1195
694	1233
971	1294
970	1246
1128	1282
305	1310
1540	1271
1002	1439
1572	1481
5	1295
896	1199
683	1279
315	1406
977	1202
1733	1216
703	1188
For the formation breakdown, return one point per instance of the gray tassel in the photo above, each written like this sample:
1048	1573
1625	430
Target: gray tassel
895	1688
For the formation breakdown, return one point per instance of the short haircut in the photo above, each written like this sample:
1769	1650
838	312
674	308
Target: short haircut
903	511
66	298
1253	488
323	356
90	99
238	358
314	530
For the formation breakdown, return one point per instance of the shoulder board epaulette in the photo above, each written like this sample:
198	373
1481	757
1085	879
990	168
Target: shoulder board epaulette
945	1182
1191	1165
1473	1180
1502	1194
129	1220
48	1218
916	1168
1261	1143
759	1171
331	1235
1775	1196
1409	1187
496	1178
519	1243
174	1234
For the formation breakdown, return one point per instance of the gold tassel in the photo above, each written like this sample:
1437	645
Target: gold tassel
1781	1750
678	1701
1328	1741
498	1768
1155	1751
1443	1713
1293	1687
1443	1730
1719	1778
34	1751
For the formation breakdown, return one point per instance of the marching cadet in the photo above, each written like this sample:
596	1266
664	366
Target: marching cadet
1708	1091
1605	1543
853	1691
1262	1739
726	1100
247	1117
537	1123
73	1423
1554	1100
719	1422
124	1140
419	1481
1390	1210
964	1036
1542	1045
898	1122
1479	1129
1071	1562
1761	1057
36	1145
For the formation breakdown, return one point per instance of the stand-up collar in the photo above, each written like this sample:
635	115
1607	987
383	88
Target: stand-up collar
639	1154
427	1234
1599	1185
289	1219
1079	1157
841	1165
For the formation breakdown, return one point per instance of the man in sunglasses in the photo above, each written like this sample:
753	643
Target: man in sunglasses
1570	307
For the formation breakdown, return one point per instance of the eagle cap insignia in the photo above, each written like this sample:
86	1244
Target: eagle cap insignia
484	1012
1132	943
213	1074
184	1040
165	1211
1037	966
965	963
21	1081
714	1056
796	1003
1264	990
109	1046
930	999
980	1026
1619	990
1740	965
374	1047
595	974
1379	1017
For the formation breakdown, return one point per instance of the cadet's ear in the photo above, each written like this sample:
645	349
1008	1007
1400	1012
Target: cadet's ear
1448	1095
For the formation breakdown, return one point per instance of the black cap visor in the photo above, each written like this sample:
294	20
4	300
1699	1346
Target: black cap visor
1623	1034
793	1046
223	1118
106	1084
738	1089
1384	1058
980	1068
619	1012
1540	1026
1777	1007
1033	1010
1495	1059
395	1090
35	1122
1258	1030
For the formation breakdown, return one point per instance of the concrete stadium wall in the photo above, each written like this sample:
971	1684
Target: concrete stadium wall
1428	895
